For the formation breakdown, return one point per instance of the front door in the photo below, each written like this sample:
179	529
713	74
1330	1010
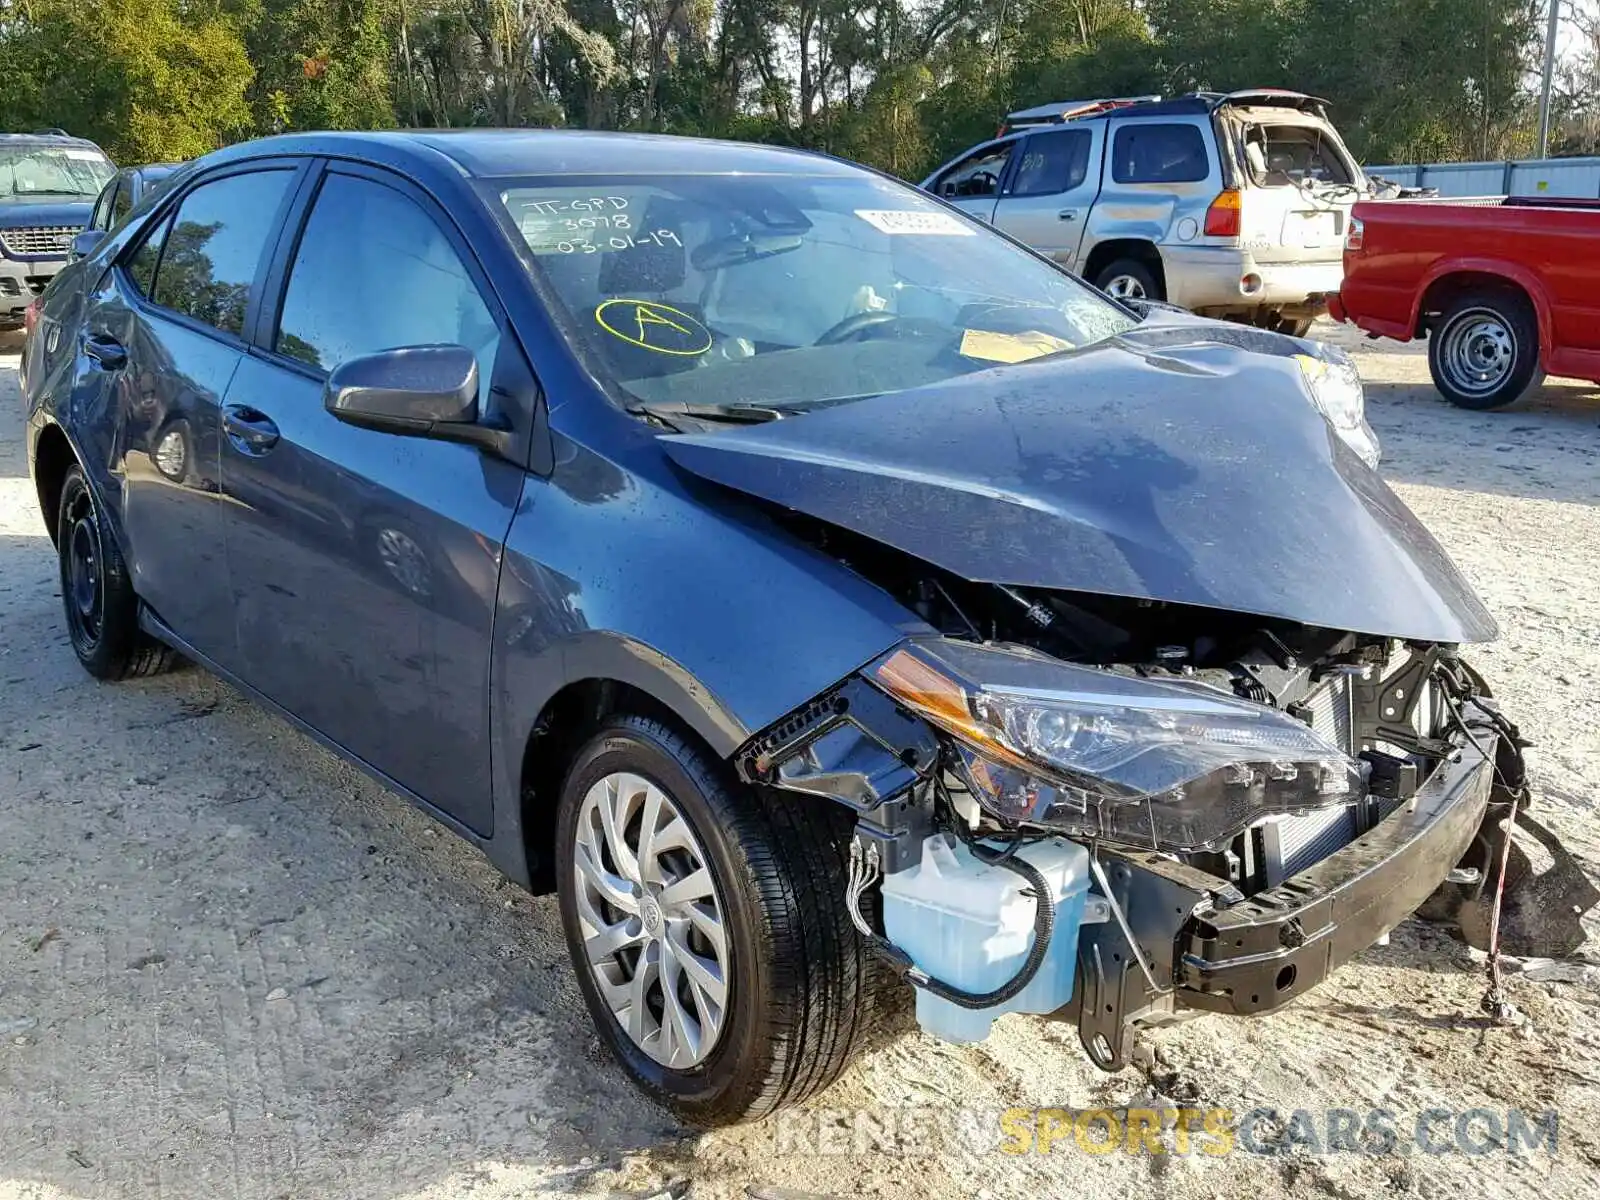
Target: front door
364	565
973	184
1048	196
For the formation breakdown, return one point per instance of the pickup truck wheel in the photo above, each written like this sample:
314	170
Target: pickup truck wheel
97	596
707	926
1484	351
1129	279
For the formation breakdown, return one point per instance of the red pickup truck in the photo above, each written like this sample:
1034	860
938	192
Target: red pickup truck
1503	288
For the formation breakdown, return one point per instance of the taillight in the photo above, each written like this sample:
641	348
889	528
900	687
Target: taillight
1354	236
1222	218
30	315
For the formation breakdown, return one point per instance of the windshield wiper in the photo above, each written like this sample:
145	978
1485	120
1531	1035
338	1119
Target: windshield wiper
735	414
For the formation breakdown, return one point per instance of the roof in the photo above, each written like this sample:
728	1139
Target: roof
509	152
1192	104
47	137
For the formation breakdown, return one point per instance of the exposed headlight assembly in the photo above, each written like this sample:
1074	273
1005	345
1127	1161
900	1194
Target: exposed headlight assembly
1172	765
1335	388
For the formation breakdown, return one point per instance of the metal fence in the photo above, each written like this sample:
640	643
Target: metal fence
1575	177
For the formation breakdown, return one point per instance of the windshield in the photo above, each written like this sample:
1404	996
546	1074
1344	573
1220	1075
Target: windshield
53	171
724	291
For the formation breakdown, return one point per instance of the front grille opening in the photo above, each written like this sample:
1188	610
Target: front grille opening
38	239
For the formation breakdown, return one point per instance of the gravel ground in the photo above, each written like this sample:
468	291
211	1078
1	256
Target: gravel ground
230	966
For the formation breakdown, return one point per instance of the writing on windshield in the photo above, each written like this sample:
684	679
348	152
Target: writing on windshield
756	290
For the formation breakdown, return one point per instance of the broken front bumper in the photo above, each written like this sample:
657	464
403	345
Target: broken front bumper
1256	956
1196	944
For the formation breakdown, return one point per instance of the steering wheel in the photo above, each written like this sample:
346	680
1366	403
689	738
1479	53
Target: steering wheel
853	327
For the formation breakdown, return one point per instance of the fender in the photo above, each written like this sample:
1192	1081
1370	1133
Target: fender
654	579
1515	272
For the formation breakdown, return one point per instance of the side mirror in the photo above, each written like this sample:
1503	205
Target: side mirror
84	243
417	390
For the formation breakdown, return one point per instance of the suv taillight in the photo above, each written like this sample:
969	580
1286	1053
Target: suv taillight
1222	218
30	315
1354	236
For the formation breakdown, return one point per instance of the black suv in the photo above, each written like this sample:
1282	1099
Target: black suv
48	182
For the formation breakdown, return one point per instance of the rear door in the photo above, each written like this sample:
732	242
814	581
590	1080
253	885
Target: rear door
159	343
1051	188
364	565
973	183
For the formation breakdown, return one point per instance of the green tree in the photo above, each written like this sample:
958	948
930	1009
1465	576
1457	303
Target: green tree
149	80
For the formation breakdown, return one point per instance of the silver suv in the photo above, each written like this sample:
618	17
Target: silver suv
1231	205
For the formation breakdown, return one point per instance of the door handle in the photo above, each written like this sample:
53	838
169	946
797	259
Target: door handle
106	351
1067	214
249	429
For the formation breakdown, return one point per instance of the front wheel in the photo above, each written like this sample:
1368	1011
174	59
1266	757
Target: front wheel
707	926
1484	351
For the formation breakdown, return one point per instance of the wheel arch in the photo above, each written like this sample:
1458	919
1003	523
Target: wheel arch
53	457
1448	282
1139	249
605	676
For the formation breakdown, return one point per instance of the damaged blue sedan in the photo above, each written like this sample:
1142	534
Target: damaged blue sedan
819	591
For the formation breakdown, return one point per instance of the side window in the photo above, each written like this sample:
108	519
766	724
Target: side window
374	272
122	201
100	218
1053	162
1159	154
214	247
977	175
141	264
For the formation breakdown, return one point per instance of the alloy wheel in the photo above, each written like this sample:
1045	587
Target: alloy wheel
1125	287
651	919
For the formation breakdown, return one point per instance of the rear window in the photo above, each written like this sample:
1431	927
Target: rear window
1291	155
1159	154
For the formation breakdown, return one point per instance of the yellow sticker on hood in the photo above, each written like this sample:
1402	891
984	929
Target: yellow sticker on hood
991	346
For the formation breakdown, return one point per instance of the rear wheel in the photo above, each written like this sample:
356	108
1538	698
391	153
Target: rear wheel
97	596
1484	351
1129	279
707	926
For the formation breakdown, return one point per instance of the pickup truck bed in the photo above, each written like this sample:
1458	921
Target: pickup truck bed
1502	287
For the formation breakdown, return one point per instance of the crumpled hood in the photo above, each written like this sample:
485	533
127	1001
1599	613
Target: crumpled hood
44	210
1195	474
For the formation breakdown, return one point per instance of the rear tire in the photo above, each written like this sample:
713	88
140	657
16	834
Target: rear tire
1484	351
97	597
1129	279
801	992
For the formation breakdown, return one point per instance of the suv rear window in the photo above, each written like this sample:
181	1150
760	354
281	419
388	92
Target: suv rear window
1287	155
1159	154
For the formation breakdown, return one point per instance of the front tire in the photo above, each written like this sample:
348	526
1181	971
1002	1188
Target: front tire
1484	352
707	926
97	597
